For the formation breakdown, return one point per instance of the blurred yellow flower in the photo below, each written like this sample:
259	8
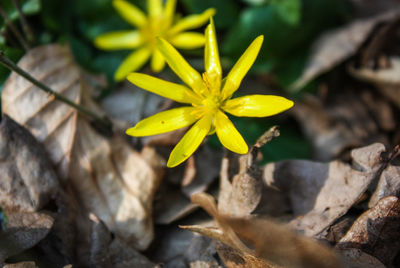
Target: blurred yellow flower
210	97
158	23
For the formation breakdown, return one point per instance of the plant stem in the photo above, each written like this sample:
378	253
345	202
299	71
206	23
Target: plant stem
103	121
25	25
14	29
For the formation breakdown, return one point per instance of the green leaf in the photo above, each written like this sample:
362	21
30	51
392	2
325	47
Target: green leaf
227	10
285	45
289	10
255	2
291	144
29	7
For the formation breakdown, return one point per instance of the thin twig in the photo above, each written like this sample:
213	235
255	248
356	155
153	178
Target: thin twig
103	121
24	22
14	29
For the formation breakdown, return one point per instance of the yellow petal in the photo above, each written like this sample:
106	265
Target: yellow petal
241	67
190	142
132	63
228	134
164	122
169	11
211	56
192	21
169	90
257	105
188	40
154	8
180	66
119	40
130	13
157	61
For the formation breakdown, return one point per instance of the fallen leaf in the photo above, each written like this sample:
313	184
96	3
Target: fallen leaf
271	245
171	246
389	184
366	8
205	170
387	80
322	192
344	121
356	258
200	253
108	252
172	206
129	104
376	231
25	264
338	45
241	196
24	230
113	181
28	179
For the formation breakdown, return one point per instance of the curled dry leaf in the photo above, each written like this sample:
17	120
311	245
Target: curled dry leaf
387	80
271	244
242	196
28	180
376	231
24	230
338	45
322	192
112	180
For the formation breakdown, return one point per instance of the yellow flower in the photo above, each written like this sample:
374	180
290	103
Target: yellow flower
210	97
159	23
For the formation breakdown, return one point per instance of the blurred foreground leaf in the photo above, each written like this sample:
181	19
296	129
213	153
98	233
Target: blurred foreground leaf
289	10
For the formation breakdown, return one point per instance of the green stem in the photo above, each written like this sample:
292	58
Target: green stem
103	121
14	29
25	25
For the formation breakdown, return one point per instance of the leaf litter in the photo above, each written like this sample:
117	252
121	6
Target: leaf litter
96	194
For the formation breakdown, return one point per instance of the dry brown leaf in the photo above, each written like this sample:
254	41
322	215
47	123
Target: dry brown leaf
204	171
172	206
376	231
322	192
273	245
108	252
336	46
241	196
24	230
112	180
348	120
389	184
366	8
200	253
25	264
28	180
129	104
387	80
355	258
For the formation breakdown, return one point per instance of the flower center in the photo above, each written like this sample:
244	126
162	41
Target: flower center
210	104
156	27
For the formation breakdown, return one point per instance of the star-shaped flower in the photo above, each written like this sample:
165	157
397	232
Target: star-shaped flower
159	23
209	95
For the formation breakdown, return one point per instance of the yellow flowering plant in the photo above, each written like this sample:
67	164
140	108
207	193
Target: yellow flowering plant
160	22
210	97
